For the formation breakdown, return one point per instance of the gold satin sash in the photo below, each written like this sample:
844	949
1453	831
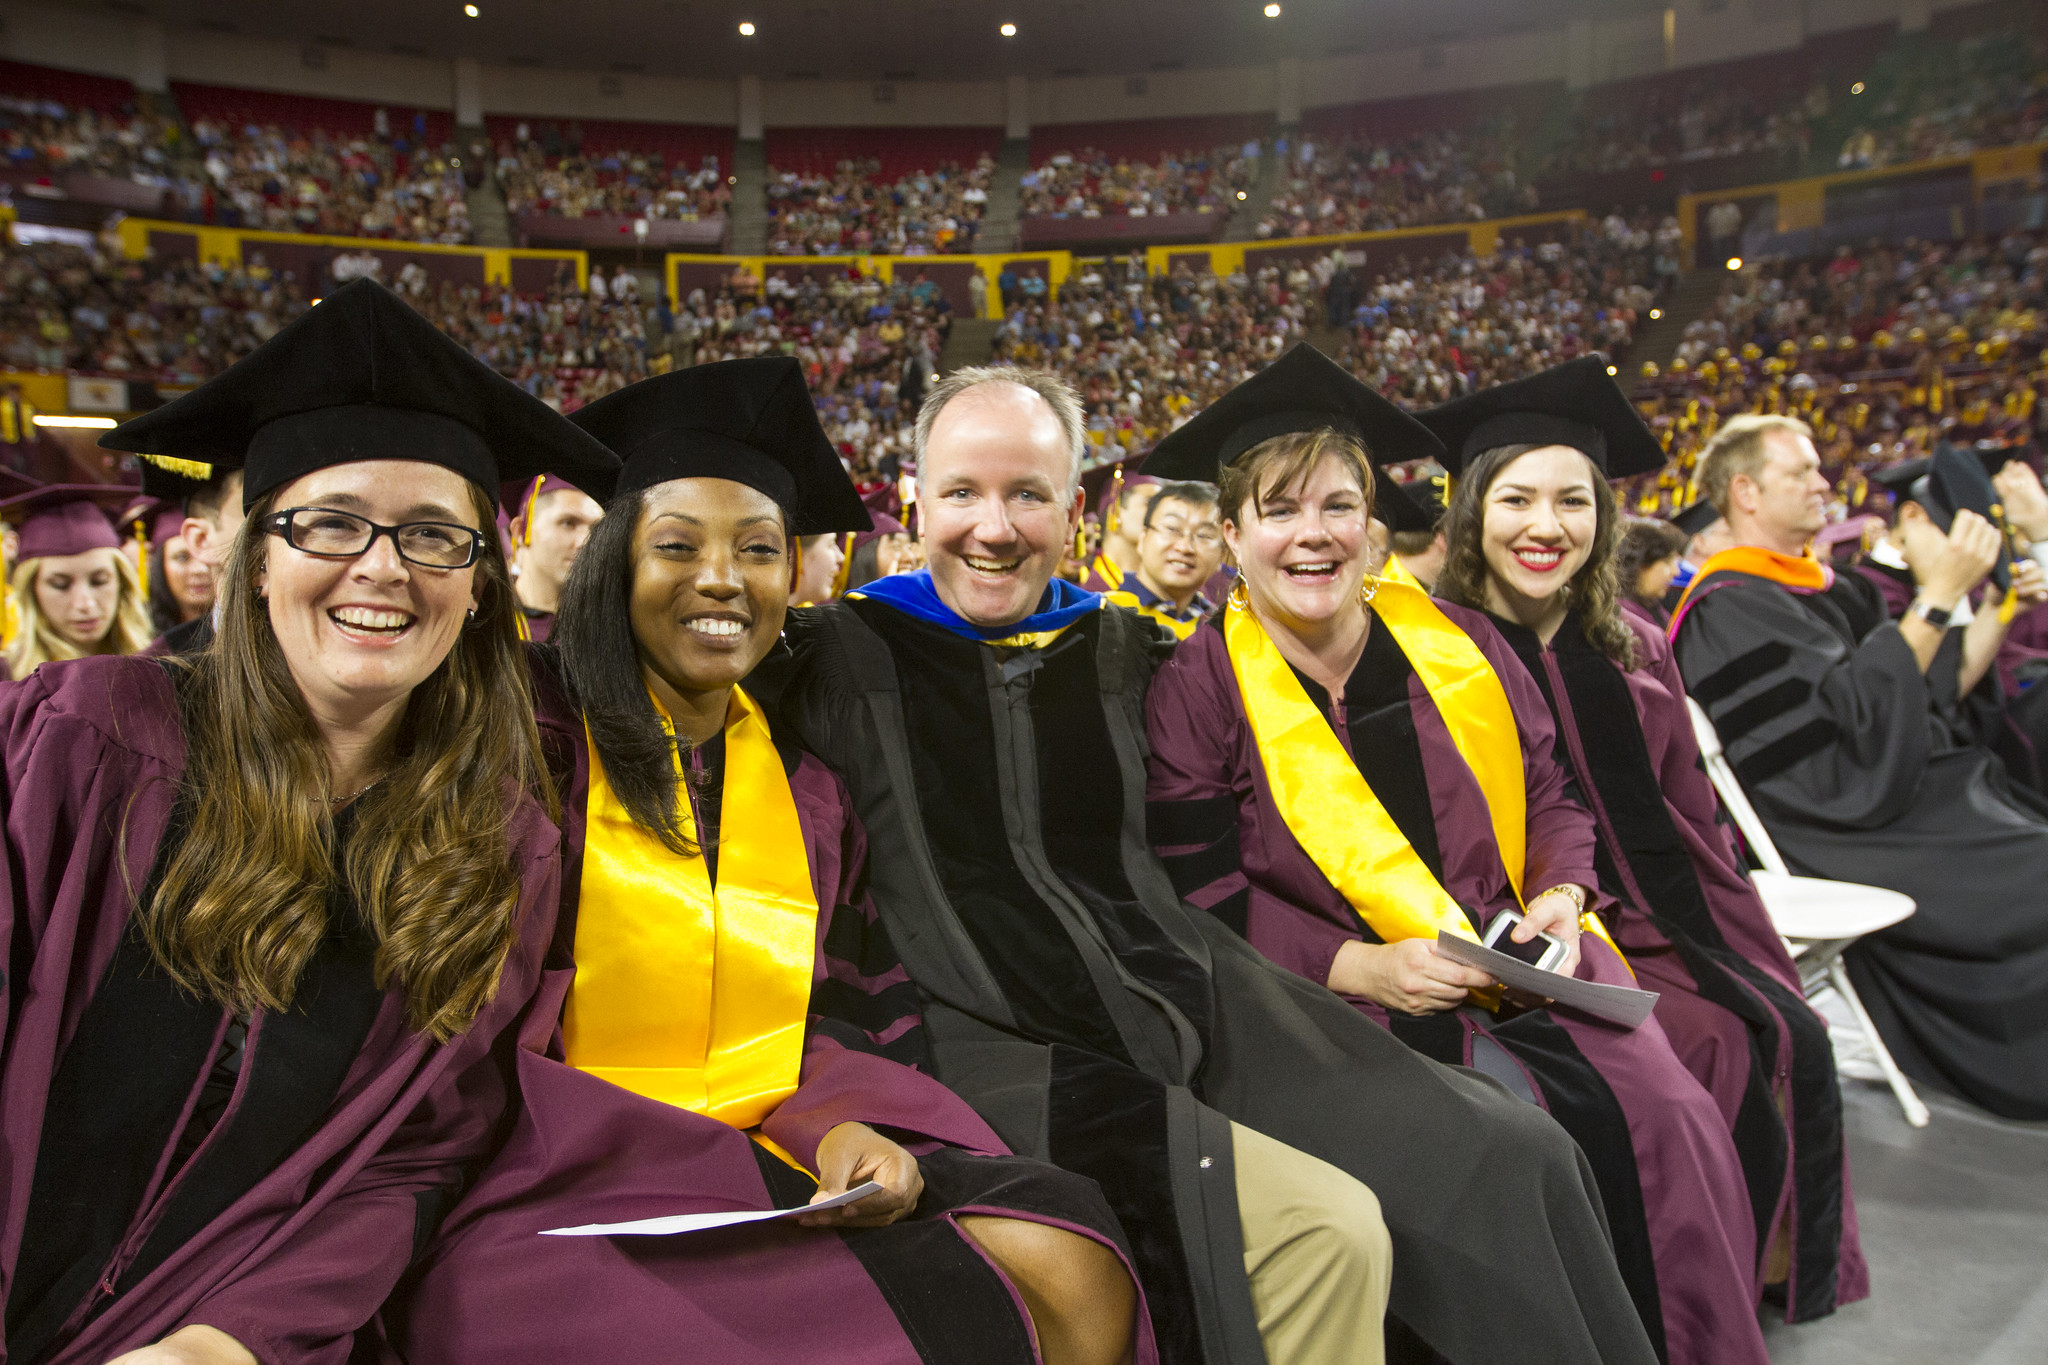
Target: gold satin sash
693	995
1363	852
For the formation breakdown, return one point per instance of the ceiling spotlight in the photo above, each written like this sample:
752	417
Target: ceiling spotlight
1612	370
471	11
1272	11
1241	194
746	28
1735	263
1656	313
1008	30
1856	89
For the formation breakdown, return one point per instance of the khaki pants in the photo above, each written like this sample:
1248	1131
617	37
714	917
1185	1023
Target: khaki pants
1316	1252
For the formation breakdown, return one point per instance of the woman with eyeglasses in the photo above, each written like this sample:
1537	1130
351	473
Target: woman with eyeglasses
735	1031
1347	770
271	908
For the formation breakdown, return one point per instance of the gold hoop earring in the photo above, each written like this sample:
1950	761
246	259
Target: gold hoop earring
1239	598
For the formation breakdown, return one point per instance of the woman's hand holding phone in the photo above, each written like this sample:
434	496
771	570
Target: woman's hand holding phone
1555	913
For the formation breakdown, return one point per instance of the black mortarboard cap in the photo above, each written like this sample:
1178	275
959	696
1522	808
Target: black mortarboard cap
174	480
1303	390
751	421
1697	517
1907	482
361	376
1575	404
1956	482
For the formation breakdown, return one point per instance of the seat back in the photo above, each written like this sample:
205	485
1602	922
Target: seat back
1730	791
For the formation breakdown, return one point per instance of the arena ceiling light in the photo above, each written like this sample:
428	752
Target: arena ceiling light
1856	89
1735	263
1008	30
471	10
746	28
44	419
1272	11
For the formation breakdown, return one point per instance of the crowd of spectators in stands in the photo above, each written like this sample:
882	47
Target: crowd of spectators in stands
1359	185
386	184
1709	119
1088	183
291	180
869	349
1883	350
554	174
44	138
1932	99
1427	333
856	211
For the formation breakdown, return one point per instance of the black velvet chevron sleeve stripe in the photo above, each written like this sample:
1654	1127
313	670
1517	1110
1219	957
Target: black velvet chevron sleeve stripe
866	1001
1780	754
1737	721
1739	672
1198	844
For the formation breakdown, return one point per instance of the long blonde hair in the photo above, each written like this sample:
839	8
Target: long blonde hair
243	902
39	642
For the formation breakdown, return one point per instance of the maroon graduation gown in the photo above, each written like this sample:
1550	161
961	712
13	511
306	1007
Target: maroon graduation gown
1695	930
1670	1178
301	1258
585	1151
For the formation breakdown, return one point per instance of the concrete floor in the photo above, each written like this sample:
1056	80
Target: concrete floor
1955	1227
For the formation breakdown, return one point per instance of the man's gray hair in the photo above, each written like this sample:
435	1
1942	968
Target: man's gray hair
1058	394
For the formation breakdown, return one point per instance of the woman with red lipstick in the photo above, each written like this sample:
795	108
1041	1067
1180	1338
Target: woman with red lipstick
734	1030
1343	768
1531	536
75	592
273	909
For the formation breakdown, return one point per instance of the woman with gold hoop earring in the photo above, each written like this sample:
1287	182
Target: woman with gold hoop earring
1344	783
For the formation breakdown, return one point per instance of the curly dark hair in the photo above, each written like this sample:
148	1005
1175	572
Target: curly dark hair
1592	591
1644	541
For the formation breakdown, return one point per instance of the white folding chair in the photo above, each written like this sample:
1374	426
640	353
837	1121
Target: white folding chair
1817	918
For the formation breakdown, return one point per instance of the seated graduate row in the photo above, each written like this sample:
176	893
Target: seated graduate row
363	945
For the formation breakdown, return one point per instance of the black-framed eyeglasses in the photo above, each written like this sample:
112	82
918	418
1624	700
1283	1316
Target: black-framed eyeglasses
329	534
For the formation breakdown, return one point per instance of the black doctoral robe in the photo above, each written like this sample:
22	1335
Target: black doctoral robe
1097	1022
1851	758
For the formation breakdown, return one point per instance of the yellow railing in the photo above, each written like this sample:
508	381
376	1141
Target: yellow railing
1802	203
1057	265
230	246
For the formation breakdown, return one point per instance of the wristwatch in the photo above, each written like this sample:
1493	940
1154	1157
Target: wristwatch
1938	617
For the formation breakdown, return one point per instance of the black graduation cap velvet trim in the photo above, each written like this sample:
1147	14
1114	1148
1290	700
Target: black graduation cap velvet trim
1953	480
361	376
1697	517
1575	404
751	421
1303	390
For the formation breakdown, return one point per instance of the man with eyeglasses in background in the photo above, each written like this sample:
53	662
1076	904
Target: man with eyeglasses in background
1179	550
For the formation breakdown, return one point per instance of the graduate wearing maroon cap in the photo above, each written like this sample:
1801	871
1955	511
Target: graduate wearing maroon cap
550	519
75	592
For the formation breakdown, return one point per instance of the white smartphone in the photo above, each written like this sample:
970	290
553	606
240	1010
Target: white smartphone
1542	952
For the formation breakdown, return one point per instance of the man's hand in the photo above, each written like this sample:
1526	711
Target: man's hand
1408	976
2029	583
190	1346
853	1154
1948	567
2026	502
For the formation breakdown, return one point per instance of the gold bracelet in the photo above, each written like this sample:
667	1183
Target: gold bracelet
1575	894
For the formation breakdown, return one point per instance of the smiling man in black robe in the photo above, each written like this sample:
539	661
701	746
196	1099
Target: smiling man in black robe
989	721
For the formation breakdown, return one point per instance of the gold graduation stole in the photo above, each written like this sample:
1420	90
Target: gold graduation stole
1108	571
1326	802
1181	629
685	993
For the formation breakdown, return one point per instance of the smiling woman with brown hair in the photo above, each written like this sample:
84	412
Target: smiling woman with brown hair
271	908
735	1028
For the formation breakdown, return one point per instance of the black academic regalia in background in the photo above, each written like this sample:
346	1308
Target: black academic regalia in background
1846	751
